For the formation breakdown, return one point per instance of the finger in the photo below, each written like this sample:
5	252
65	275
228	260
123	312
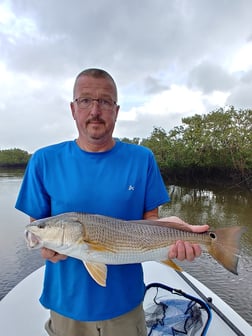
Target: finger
57	257
199	228
172	252
174	219
197	250
181	251
47	253
189	251
52	255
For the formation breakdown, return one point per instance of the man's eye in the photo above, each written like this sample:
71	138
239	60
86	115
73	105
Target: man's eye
85	100
105	102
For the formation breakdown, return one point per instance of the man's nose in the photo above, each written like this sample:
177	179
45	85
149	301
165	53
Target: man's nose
95	108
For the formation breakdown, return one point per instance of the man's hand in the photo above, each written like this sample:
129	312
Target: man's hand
52	255
182	250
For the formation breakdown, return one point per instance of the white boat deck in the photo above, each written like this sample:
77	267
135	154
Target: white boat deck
22	314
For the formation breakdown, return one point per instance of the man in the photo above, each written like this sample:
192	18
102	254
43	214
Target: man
95	174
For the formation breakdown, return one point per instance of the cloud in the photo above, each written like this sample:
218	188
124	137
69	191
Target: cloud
241	96
165	109
170	59
209	77
153	85
247	77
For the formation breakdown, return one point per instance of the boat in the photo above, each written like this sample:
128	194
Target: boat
22	314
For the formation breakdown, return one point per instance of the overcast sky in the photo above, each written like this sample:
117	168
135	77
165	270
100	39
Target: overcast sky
170	59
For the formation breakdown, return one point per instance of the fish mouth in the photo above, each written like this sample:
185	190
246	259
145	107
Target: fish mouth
32	240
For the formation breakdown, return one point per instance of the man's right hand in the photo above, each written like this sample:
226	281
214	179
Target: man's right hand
52	255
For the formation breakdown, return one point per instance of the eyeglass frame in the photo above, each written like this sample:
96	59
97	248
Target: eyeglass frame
98	100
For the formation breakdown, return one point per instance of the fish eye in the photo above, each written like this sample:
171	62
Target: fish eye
40	226
212	235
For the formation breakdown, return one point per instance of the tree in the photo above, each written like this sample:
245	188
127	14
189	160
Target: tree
13	157
135	141
158	142
220	141
222	138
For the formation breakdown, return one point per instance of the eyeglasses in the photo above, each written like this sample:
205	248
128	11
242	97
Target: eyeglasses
104	104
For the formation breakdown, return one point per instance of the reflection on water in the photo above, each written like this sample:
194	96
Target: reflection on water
217	207
15	259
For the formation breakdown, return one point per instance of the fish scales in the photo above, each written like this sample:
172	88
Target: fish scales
131	235
99	241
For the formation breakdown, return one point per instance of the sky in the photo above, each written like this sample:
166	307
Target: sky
170	59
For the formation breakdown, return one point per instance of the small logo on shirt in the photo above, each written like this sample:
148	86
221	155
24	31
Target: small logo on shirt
131	187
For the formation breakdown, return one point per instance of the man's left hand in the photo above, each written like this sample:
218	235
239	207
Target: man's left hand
183	250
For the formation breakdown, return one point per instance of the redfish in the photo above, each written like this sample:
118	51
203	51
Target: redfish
99	241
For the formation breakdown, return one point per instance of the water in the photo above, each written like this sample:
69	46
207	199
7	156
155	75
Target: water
16	260
219	207
215	206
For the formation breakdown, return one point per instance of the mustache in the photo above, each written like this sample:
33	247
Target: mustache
95	119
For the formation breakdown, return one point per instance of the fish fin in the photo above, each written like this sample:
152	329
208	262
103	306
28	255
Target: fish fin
97	271
98	247
172	264
225	246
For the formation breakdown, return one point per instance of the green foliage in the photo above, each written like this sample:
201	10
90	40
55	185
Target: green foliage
13	157
135	141
158	142
221	139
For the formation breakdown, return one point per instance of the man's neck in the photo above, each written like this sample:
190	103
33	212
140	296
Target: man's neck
95	146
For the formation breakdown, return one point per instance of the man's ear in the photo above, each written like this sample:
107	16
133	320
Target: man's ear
117	110
72	109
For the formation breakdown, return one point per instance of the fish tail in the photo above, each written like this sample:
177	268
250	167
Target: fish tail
225	246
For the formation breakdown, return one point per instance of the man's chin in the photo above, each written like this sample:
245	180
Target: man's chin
96	131
96	135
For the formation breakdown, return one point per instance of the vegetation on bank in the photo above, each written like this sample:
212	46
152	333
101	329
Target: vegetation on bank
217	145
13	158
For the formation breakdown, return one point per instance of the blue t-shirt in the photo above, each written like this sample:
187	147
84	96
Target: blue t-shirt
123	182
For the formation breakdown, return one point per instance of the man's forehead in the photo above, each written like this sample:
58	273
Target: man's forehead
88	83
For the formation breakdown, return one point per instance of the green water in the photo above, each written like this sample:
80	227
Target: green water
217	207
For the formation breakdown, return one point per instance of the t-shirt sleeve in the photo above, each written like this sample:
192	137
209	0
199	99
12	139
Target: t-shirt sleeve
33	199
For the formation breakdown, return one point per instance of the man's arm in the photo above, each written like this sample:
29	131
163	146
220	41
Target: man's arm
181	250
